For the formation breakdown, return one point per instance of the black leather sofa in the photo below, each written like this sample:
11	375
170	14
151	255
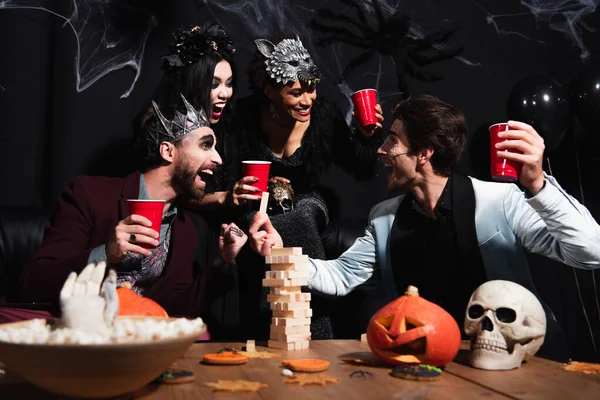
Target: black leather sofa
21	232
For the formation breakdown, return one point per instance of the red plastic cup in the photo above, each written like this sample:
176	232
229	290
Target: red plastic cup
259	169
364	106
151	209
502	170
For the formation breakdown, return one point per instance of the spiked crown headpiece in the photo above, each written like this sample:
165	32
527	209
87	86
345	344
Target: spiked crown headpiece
172	130
288	61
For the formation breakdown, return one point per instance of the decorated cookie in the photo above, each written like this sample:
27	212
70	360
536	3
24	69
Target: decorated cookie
312	379
225	358
235	386
175	376
306	365
416	372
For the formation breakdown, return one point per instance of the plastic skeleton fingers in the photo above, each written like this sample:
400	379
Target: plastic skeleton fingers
87	303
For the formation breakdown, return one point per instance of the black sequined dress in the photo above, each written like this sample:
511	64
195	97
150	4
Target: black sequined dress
327	140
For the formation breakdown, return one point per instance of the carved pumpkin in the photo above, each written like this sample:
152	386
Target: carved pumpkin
411	329
130	303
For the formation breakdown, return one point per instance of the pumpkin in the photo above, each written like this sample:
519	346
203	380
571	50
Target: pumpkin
130	303
411	329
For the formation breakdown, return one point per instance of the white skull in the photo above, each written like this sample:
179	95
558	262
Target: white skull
506	323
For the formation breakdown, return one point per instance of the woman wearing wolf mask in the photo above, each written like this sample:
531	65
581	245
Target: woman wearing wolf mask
284	123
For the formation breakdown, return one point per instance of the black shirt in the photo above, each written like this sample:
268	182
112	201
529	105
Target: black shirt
425	254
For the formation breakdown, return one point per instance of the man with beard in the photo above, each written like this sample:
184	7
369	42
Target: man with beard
449	233
92	224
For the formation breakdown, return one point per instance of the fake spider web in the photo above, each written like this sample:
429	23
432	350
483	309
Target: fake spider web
110	35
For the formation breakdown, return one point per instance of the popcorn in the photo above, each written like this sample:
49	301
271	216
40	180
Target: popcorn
125	330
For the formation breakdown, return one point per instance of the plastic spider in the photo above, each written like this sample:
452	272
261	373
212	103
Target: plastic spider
394	36
362	374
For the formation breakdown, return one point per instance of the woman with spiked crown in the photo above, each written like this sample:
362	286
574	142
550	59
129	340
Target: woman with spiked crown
302	136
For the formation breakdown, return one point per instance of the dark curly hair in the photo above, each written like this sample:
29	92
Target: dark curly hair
430	123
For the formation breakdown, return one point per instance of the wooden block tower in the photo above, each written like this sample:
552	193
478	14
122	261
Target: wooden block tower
290	325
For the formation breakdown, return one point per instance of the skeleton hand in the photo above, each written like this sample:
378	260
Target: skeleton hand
86	305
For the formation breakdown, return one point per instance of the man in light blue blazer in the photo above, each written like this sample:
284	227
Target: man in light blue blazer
449	233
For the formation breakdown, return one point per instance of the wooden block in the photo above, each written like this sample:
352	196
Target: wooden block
286	290
304	345
280	282
292	313
288	298
286	259
290	330
250	345
290	306
301	345
280	345
286	251
286	274
282	337
290	321
298	281
363	337
290	267
264	202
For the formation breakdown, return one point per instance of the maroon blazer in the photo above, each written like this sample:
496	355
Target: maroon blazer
86	215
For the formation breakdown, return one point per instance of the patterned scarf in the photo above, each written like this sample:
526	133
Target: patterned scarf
143	271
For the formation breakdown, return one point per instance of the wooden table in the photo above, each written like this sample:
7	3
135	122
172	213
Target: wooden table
537	379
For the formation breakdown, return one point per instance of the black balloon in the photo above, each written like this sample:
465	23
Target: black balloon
585	97
544	104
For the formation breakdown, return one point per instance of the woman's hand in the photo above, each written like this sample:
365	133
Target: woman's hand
371	129
242	191
279	179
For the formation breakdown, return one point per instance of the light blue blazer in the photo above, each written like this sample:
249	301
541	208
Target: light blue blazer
551	223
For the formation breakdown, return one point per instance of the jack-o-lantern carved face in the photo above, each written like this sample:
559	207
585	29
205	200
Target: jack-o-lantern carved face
413	330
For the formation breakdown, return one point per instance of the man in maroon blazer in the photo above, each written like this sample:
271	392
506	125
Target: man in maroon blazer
92	223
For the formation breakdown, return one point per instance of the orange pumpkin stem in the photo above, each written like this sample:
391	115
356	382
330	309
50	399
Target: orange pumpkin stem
411	291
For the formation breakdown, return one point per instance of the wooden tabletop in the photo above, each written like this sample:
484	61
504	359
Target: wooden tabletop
537	379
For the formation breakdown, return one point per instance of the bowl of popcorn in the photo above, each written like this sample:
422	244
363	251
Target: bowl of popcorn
76	363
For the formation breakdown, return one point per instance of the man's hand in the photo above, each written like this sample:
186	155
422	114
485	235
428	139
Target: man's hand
231	241
530	145
87	306
128	235
374	128
262	241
